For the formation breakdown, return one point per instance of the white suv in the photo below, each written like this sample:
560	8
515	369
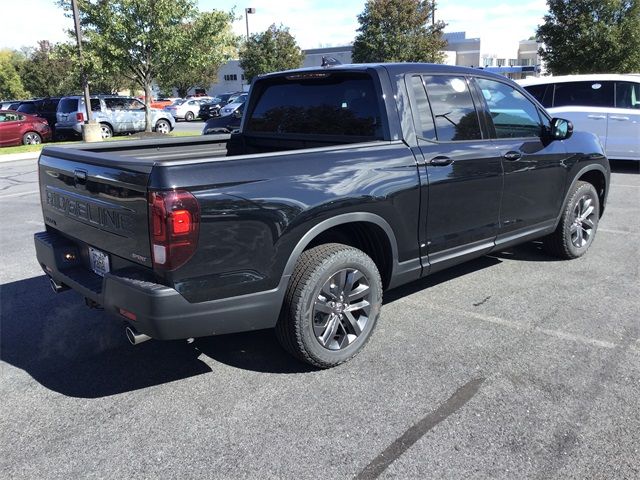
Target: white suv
605	104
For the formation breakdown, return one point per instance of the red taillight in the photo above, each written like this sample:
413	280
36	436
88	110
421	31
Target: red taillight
80	117
174	223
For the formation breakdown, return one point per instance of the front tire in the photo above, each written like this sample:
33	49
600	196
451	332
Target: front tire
162	126
189	116
31	138
578	224
331	306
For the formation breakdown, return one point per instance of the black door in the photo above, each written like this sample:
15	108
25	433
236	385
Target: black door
535	168
461	195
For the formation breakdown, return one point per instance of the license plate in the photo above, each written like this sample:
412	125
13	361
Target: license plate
99	261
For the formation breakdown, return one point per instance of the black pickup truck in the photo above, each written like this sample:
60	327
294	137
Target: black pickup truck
342	182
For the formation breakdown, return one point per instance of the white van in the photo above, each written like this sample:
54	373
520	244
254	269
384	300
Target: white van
605	104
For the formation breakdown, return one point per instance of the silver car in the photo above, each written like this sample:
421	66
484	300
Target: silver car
236	103
188	109
115	115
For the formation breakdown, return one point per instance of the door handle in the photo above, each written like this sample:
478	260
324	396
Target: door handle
512	156
617	117
597	117
440	161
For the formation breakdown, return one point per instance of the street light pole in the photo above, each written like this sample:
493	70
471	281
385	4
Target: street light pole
247	11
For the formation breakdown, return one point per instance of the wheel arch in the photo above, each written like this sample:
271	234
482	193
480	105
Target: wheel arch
589	173
108	124
385	256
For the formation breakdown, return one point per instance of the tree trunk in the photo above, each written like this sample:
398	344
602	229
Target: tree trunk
147	107
182	91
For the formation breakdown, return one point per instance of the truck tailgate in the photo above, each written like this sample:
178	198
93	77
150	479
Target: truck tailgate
104	206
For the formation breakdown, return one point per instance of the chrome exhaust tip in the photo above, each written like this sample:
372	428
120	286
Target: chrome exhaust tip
57	287
134	337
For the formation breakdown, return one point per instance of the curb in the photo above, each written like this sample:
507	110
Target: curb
14	157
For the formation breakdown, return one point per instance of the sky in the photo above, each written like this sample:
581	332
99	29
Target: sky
315	23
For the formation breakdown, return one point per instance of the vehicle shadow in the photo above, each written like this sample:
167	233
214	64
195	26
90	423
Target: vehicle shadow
625	166
82	352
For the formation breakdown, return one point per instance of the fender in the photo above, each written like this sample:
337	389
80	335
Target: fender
325	225
576	177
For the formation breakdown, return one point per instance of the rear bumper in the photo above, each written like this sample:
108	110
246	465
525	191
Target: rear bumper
161	312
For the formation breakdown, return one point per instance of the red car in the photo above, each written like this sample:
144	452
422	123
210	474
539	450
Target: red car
17	128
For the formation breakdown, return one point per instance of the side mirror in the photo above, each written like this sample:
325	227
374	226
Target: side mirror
561	129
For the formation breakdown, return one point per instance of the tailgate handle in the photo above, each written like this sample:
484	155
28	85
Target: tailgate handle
81	176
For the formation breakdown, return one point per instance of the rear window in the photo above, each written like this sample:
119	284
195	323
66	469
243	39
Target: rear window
27	108
585	94
336	104
68	105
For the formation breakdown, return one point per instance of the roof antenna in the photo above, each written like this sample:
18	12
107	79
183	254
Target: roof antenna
330	62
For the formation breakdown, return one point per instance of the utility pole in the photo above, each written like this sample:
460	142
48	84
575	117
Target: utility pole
90	130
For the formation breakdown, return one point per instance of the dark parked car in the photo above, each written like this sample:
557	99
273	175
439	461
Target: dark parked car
225	124
211	109
42	107
17	128
342	182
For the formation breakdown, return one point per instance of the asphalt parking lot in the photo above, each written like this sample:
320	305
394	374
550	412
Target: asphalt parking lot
511	366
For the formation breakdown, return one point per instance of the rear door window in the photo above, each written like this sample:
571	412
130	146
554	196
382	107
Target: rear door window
628	95
512	114
338	104
584	94
425	128
453	109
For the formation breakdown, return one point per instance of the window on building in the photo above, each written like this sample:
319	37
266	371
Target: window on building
513	62
501	62
453	109
525	62
243	79
513	115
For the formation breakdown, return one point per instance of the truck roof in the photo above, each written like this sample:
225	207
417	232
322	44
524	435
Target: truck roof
394	69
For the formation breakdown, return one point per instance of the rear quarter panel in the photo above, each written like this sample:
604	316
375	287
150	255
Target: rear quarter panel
255	209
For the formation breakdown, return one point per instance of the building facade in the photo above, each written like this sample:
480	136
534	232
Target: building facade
462	51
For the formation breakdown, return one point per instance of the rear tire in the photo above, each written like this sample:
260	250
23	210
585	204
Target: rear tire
31	138
578	224
189	116
331	305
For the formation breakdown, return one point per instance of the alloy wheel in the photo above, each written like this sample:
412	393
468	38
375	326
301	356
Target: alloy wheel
583	226
341	309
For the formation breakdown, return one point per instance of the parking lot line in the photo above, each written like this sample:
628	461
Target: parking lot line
535	329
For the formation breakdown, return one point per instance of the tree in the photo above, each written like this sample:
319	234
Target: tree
48	71
197	66
142	39
270	51
11	86
591	36
398	31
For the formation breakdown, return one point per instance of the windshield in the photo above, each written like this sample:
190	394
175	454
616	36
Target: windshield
180	101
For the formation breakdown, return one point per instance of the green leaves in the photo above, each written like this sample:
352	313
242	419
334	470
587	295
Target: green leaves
11	86
591	36
398	31
270	51
168	41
